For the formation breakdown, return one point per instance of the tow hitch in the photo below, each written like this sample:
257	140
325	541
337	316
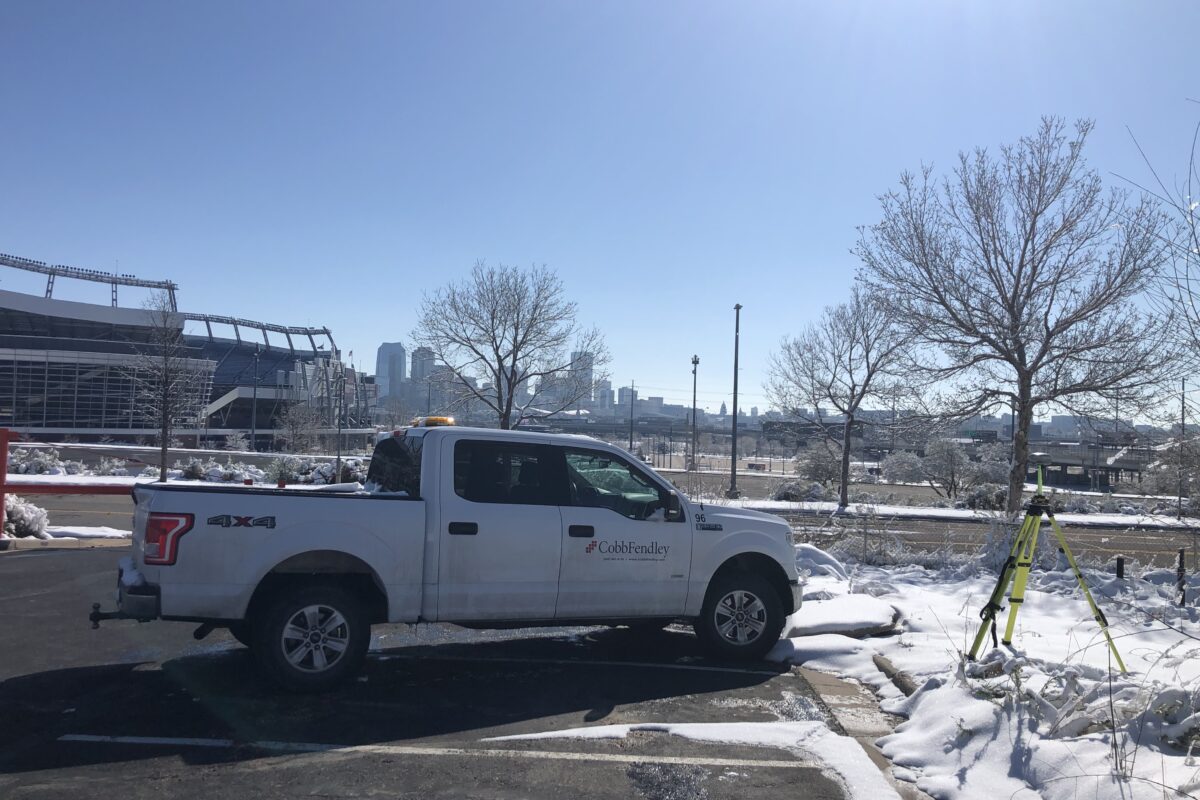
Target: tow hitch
97	615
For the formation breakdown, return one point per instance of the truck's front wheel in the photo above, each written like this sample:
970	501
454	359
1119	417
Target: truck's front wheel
742	616
312	638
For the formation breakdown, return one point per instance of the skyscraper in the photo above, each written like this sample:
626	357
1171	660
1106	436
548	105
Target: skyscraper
389	368
423	361
584	365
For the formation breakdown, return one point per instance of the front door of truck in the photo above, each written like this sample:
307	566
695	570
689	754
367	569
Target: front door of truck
620	556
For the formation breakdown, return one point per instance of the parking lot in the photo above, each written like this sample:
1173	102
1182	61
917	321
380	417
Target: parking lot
145	710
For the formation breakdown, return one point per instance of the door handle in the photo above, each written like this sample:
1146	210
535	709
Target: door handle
581	531
463	528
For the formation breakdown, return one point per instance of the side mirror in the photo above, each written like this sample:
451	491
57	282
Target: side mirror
674	507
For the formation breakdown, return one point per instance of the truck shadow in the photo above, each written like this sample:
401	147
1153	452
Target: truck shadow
432	693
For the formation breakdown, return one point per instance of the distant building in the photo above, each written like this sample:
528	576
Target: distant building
390	363
585	365
604	395
625	395
423	361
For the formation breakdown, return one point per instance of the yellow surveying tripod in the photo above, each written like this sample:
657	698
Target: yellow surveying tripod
1016	571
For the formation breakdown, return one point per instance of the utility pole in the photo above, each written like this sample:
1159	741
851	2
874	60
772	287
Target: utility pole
254	406
1182	428
737	332
631	390
694	462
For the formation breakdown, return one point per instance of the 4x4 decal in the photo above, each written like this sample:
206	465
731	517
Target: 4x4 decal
232	521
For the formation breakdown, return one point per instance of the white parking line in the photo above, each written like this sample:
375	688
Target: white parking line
411	750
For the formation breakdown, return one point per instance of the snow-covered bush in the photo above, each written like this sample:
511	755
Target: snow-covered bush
985	497
799	492
110	466
22	519
210	470
286	469
40	461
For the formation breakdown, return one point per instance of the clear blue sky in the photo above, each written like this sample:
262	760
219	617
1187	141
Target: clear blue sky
320	163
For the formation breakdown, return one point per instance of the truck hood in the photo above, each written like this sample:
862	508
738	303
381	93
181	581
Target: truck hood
744	519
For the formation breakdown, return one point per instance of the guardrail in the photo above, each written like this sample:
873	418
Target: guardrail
43	488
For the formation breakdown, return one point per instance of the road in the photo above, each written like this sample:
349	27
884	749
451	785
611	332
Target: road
143	710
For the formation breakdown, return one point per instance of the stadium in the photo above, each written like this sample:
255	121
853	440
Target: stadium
78	369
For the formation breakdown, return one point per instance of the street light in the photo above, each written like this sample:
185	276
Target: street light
737	329
254	406
695	363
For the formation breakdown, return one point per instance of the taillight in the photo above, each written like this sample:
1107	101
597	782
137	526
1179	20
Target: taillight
163	532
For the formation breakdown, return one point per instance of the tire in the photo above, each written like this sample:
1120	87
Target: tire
283	636
241	632
749	636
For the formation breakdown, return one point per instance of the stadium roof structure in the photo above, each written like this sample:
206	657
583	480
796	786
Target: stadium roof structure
263	328
52	271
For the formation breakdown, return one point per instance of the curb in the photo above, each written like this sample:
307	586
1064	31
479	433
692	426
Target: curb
59	543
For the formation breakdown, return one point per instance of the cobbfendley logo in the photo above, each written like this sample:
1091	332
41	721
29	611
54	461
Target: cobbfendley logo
628	548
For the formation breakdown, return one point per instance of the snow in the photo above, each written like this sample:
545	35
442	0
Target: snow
855	615
15	481
86	532
962	514
1032	720
840	754
129	573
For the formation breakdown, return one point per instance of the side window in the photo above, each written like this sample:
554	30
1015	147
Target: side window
500	472
602	480
396	466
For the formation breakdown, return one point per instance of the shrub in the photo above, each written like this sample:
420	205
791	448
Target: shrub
22	519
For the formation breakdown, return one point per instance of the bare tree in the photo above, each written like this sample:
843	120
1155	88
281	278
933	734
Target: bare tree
170	387
1018	276
1179	294
509	338
843	360
300	423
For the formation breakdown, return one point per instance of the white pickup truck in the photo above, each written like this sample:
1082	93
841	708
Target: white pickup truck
478	527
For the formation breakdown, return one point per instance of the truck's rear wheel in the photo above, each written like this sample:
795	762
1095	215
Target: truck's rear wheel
742	616
312	638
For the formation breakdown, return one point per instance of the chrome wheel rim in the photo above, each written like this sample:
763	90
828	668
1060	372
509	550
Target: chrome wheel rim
740	617
315	638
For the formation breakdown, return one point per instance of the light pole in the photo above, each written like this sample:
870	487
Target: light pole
695	363
254	406
737	331
631	390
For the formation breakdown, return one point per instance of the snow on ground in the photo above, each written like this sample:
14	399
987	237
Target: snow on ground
949	514
17	481
840	754
86	532
1034	720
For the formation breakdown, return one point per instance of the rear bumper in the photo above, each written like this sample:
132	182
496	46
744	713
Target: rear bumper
142	602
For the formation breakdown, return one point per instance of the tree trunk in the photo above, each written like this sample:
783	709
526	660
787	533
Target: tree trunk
844	495
1020	454
164	436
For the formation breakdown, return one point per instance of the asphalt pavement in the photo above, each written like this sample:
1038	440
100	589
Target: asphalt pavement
144	710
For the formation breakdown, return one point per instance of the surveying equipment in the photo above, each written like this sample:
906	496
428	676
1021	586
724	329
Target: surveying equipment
1016	571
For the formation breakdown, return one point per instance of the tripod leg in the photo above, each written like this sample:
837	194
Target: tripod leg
988	613
1021	574
1096	612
